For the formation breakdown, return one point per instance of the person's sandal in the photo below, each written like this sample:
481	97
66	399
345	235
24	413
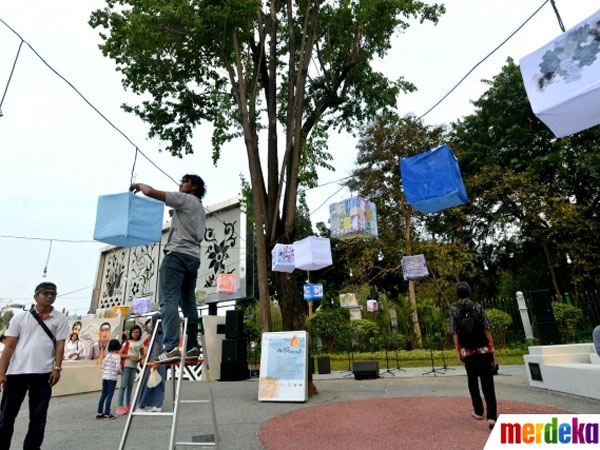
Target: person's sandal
476	416
491	423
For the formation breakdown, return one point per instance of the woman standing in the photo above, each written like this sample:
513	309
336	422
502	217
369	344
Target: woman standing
73	348
132	353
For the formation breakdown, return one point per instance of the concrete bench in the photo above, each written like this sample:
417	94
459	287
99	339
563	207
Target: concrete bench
573	369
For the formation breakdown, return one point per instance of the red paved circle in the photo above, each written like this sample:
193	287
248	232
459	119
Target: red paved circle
400	423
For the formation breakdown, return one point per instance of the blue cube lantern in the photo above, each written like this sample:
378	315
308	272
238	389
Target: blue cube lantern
432	180
313	291
126	220
353	218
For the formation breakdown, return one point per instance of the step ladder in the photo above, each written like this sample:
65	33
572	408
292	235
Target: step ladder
177	377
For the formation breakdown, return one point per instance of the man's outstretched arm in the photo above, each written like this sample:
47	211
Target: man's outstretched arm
148	191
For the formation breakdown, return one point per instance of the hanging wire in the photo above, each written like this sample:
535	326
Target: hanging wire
560	22
45	272
10	76
133	167
326	200
88	102
486	57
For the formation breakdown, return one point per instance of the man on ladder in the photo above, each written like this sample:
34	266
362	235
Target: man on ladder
179	268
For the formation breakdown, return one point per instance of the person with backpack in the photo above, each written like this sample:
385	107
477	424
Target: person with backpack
470	329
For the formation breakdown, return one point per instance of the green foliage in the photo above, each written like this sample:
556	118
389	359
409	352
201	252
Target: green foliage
8	314
500	323
365	334
252	330
568	317
328	324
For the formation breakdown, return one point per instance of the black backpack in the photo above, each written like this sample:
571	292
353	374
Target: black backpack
471	332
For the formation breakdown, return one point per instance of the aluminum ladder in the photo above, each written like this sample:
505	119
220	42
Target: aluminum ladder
177	400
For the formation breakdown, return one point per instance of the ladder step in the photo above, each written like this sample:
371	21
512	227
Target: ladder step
141	413
195	444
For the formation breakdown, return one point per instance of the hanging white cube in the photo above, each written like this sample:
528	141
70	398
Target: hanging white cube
282	258
353	218
312	253
562	79
372	305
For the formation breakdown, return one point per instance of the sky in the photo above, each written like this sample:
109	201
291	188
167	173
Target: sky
57	155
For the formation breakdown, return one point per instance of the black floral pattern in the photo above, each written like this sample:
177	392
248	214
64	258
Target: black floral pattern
217	252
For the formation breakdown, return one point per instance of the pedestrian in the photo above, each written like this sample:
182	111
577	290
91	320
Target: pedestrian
596	339
179	268
111	368
152	398
132	353
31	363
470	329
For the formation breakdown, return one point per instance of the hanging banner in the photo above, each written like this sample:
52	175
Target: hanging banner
414	267
284	367
561	79
353	218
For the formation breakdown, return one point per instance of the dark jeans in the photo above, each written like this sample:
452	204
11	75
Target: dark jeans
177	286
39	397
108	390
479	366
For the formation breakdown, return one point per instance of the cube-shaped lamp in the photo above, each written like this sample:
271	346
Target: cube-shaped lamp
372	305
226	283
312	253
348	300
313	291
561	79
432	180
282	258
414	267
353	218
141	305
127	220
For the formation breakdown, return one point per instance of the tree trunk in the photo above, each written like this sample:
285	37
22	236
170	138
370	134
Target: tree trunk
414	316
552	273
291	301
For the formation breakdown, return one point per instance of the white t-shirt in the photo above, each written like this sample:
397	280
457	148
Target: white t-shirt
34	352
187	224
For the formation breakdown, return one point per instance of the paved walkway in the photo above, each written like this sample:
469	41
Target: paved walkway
72	423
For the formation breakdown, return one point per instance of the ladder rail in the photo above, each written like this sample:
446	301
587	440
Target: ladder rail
138	388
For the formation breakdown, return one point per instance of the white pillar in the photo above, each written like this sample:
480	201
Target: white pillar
524	316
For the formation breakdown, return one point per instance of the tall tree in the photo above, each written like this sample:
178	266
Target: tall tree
525	184
377	177
295	67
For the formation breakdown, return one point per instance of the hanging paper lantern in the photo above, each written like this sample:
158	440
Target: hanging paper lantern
200	297
127	220
282	258
312	253
432	180
414	267
121	311
561	79
353	218
141	305
226	283
372	305
313	291
348	300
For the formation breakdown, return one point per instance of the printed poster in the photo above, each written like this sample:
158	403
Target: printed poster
284	367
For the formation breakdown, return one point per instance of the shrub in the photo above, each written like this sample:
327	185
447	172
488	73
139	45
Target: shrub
328	324
500	323
567	316
364	333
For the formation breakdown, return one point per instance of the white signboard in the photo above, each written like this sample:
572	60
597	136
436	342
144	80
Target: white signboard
284	367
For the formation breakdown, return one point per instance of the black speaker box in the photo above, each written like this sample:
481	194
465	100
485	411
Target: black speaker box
220	328
365	370
234	324
234	371
324	364
235	351
548	333
542	306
